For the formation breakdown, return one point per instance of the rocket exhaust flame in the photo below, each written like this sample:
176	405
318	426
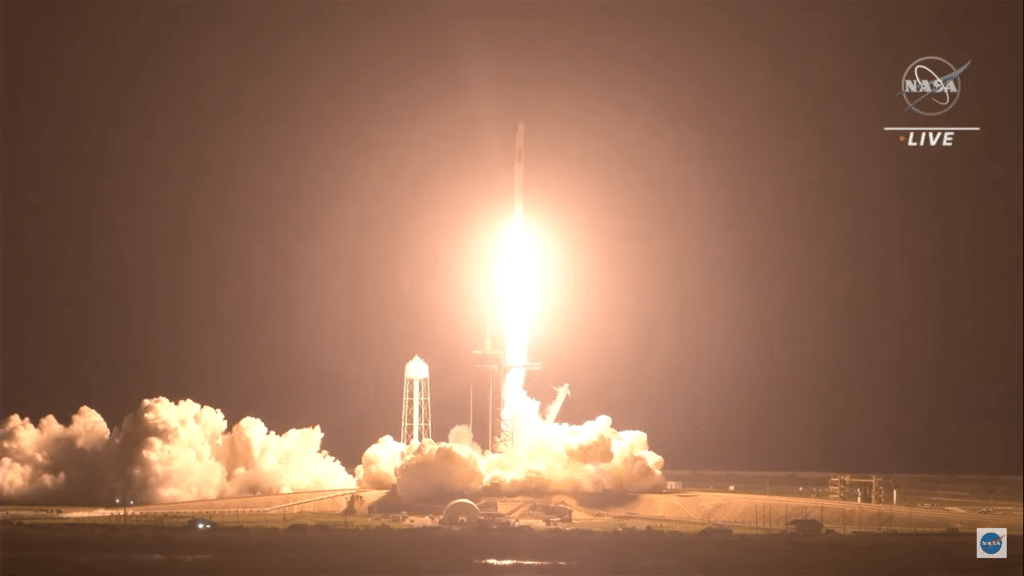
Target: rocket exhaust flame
518	283
518	291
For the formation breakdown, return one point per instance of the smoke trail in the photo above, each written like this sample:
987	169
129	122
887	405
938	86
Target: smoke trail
163	452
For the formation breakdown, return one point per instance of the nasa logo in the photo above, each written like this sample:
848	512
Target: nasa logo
927	93
991	542
931	86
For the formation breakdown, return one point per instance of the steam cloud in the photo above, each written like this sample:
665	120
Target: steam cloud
163	452
545	457
589	458
174	452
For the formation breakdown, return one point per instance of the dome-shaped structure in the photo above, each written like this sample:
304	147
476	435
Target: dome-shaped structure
459	512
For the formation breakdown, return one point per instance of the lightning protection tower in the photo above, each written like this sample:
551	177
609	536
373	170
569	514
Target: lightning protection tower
416	402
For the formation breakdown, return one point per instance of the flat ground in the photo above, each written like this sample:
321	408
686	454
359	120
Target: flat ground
610	533
930	490
758	513
86	549
680	511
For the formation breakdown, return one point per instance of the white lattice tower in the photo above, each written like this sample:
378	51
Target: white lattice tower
416	402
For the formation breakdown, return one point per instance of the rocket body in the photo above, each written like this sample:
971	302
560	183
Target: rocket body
517	181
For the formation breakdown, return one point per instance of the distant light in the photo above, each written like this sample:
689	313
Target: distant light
117	500
495	562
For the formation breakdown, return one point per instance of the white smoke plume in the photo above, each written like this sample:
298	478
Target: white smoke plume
545	457
163	452
176	452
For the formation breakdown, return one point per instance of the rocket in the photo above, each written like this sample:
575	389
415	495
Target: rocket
500	432
517	182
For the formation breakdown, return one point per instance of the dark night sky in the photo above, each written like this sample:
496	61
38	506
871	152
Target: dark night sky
269	207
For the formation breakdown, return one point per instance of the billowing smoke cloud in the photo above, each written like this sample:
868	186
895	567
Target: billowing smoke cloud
38	463
175	452
163	452
545	457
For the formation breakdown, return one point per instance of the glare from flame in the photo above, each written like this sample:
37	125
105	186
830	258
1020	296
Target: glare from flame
518	282
518	291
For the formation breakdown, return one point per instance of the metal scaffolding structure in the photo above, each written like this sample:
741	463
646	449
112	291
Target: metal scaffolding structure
416	402
842	486
500	431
